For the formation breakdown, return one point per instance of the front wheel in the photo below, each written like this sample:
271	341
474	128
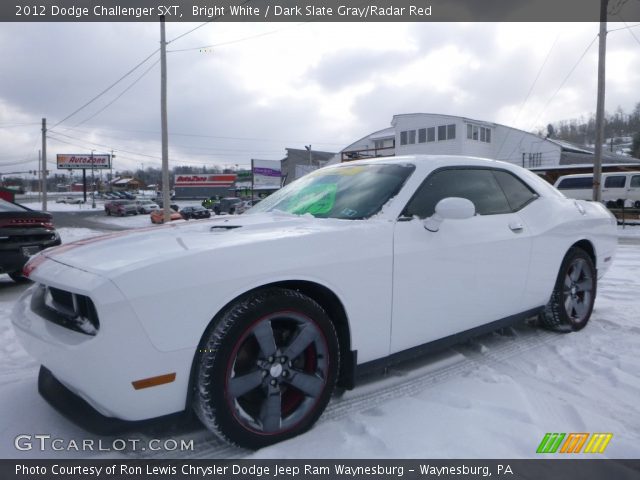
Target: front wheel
266	369
571	303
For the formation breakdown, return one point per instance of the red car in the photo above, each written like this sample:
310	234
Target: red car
157	216
121	208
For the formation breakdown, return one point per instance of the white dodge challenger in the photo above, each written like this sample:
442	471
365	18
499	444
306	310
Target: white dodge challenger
253	320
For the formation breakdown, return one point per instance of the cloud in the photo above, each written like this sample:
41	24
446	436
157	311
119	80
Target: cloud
266	87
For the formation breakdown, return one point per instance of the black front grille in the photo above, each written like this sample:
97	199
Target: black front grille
70	310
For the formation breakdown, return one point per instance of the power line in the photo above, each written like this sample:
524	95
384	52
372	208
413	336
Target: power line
196	135
118	97
238	40
213	19
626	27
535	81
15	125
106	89
633	34
557	91
108	147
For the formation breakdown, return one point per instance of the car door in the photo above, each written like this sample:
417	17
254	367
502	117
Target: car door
468	273
613	188
634	190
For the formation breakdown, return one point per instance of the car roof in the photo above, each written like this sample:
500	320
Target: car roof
430	162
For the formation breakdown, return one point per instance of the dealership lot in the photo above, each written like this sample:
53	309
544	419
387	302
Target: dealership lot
512	387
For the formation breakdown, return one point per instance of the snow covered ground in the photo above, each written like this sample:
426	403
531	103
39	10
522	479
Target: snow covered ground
494	397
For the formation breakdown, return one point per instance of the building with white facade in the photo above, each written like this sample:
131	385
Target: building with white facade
429	133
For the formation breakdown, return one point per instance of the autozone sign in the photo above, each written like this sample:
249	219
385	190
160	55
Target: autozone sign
219	180
81	160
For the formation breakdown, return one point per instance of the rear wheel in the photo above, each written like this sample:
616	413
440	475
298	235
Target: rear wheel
571	303
266	369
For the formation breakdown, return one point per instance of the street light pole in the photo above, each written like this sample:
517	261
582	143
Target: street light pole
308	147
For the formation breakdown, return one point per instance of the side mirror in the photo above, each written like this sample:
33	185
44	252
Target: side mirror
450	208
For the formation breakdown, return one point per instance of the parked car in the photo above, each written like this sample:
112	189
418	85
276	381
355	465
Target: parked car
160	204
146	206
195	212
157	216
120	207
351	267
210	202
616	188
23	233
128	195
230	205
70	200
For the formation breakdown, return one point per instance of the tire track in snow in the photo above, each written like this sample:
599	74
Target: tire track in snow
402	380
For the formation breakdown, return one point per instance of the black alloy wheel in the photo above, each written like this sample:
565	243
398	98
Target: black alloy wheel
266	369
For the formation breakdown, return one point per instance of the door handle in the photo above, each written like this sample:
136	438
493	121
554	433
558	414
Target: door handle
516	227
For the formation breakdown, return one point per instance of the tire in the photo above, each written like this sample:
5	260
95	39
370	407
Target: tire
108	212
571	303
266	368
637	204
18	277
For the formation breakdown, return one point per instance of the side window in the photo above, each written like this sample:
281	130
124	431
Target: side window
578	183
616	181
635	181
517	192
477	185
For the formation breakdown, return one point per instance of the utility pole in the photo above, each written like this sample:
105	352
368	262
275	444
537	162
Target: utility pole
44	165
113	155
166	197
597	161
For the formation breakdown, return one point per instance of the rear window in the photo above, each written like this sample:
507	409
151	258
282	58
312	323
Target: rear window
576	183
10	207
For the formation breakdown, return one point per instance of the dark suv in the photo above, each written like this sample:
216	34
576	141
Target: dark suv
23	233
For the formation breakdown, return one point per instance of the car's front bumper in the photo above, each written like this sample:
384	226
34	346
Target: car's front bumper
100	369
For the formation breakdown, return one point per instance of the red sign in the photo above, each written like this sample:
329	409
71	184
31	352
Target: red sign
69	161
217	180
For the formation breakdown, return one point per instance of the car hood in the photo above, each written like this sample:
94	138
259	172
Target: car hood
115	253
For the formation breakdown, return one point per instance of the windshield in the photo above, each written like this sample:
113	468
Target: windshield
347	192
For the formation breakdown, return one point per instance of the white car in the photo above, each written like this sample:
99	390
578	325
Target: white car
252	320
146	206
70	200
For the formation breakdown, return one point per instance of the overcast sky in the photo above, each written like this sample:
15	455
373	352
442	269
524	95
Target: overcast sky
264	87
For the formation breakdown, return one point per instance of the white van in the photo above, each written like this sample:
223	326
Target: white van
618	188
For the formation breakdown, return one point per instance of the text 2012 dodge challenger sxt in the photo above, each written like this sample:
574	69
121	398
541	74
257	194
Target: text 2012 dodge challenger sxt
252	320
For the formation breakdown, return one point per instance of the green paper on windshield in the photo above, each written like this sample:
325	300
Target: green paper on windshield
316	199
